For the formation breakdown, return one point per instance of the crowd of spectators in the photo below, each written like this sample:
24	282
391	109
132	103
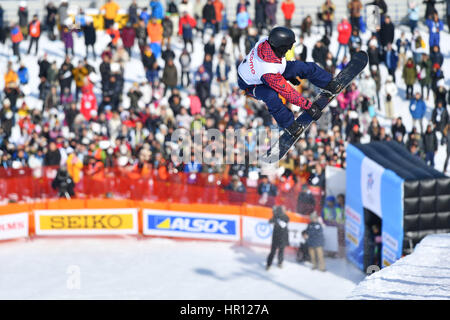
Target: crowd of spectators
87	120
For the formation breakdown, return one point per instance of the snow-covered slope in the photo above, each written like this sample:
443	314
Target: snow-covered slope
424	274
121	268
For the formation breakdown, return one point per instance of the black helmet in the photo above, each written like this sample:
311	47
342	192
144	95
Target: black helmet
281	40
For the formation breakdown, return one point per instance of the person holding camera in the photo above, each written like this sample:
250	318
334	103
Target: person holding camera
63	183
280	235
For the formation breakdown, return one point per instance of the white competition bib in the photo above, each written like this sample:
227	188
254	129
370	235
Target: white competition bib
252	68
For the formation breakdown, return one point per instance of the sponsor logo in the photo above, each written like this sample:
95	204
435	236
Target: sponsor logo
250	62
352	228
353	215
13	226
386	263
67	222
390	242
192	225
263	230
351	238
389	255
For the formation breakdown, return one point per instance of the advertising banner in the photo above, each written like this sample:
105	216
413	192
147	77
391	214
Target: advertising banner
259	231
86	222
13	226
335	178
191	225
371	174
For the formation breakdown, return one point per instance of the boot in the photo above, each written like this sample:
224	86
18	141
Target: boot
315	112
333	86
294	129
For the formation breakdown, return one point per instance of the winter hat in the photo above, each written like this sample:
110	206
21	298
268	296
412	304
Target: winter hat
436	66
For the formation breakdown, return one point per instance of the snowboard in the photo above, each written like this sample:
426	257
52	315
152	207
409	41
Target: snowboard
354	67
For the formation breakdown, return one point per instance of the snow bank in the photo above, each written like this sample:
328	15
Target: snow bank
424	274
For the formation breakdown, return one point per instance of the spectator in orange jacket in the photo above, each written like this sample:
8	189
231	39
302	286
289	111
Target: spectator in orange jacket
155	31
34	30
74	165
288	8
109	11
11	77
218	7
344	33
114	33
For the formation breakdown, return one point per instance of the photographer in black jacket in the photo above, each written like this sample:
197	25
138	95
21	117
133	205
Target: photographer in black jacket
63	183
280	235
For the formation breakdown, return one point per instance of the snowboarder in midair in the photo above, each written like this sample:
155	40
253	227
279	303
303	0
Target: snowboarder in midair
264	72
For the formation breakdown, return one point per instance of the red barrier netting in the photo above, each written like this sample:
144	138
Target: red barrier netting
121	183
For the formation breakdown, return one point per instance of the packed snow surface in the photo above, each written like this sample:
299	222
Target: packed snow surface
127	268
424	274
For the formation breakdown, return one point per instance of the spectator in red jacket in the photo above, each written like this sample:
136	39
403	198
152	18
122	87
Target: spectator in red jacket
128	35
218	7
34	30
288	8
344	33
185	29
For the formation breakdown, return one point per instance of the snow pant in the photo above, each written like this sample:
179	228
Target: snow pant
36	41
328	28
209	25
317	257
186	41
67	51
409	91
185	74
287	23
93	50
392	73
354	21
429	158
16	51
305	70
223	87
420	124
428	90
401	60
412	25
345	46
273	250
283	116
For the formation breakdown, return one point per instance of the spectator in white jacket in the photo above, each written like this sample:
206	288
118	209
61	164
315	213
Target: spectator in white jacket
390	91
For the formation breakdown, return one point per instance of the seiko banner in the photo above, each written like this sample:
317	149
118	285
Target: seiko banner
86	222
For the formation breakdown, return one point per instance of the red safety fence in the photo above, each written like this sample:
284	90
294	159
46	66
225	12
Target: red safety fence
121	183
